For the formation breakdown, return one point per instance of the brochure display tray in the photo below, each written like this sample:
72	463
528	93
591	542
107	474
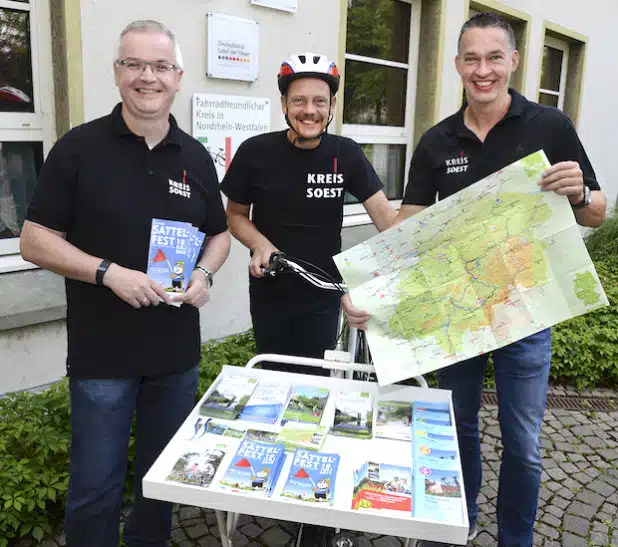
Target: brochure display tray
353	453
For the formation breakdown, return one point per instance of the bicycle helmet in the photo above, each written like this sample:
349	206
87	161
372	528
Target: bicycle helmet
308	65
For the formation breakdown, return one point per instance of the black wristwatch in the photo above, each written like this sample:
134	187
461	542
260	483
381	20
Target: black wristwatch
584	202
105	264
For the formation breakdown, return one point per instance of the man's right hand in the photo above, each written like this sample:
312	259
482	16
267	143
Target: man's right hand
134	287
261	258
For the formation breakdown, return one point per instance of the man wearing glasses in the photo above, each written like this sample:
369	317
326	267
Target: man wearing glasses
129	352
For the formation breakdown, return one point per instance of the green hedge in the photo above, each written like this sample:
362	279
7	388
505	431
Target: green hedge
34	447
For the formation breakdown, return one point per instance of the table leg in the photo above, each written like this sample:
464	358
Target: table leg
221	522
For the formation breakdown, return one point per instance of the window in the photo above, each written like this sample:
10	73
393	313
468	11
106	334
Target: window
554	72
25	93
380	81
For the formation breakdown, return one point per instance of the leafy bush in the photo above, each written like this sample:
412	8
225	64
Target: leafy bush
35	435
34	462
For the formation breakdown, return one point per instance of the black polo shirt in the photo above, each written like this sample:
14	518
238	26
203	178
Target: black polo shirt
450	157
102	186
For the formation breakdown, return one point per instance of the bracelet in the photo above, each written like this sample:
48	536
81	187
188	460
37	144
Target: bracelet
105	264
206	273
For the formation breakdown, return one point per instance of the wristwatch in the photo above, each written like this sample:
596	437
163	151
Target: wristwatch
105	264
206	273
584	202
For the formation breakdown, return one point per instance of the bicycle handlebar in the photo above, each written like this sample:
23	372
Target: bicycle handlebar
280	263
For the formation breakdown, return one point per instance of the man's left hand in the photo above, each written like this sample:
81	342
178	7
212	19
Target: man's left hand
197	291
566	179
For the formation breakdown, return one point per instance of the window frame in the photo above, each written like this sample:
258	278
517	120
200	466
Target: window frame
38	126
563	46
396	135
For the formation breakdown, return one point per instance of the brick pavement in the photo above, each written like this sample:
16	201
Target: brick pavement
578	505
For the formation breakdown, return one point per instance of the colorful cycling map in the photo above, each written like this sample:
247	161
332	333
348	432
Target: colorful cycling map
494	263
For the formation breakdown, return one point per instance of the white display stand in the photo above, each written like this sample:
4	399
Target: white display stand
353	453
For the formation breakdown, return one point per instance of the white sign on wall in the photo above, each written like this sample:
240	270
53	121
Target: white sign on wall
284	5
222	122
233	45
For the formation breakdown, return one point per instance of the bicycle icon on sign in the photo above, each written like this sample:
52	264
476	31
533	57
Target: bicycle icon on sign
217	157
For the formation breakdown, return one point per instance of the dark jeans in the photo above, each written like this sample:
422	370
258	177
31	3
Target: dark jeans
101	416
304	329
521	374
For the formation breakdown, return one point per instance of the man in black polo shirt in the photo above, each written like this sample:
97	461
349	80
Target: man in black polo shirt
296	181
128	350
496	127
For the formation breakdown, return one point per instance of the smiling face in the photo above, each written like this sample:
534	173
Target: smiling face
485	63
309	106
147	94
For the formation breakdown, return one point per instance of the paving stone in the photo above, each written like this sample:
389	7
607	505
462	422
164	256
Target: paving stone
186	513
238	539
251	530
265	523
387	541
211	518
582	478
197	531
581	510
577	525
570	540
556	473
551	520
599	538
591	498
600	527
554	510
274	537
547	531
209	541
568	467
601	487
214	530
575	457
560	502
553	486
178	535
592	472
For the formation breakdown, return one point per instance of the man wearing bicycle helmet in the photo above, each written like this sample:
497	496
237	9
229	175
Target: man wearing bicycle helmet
296	181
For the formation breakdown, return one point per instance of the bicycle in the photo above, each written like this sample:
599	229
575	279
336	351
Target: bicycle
351	347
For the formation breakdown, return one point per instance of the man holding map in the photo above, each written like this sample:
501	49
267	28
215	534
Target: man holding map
496	127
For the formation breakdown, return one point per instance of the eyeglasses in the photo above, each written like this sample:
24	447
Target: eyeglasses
138	66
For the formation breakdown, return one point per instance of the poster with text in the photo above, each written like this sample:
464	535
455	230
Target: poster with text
233	45
283	5
222	122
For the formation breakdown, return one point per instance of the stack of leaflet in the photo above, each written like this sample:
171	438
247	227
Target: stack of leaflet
267	402
353	415
382	487
229	397
306	405
197	467
312	477
174	250
437	481
254	469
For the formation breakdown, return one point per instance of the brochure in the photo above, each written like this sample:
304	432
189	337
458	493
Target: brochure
436	413
267	402
312	477
380	486
254	468
437	494
199	467
353	415
174	249
259	435
394	420
297	435
229	397
306	405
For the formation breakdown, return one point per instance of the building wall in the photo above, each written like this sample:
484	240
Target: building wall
32	331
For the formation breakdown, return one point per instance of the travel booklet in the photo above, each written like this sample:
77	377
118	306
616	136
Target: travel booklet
254	468
394	420
353	414
259	435
437	481
173	253
306	405
267	402
229	397
198	468
312	477
382	486
298	435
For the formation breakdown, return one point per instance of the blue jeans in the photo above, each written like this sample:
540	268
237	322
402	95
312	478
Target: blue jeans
101	416
522	375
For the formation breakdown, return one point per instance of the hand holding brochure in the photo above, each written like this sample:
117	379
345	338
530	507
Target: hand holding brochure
174	250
